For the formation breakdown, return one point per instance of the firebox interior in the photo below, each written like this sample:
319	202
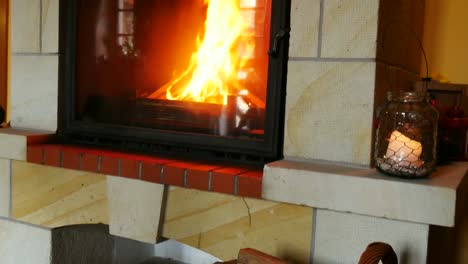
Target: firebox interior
199	69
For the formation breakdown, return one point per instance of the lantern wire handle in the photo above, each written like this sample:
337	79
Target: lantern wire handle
415	35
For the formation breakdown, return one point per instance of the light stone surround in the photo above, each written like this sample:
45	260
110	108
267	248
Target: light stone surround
331	80
14	142
33	104
25	19
134	208
304	36
49	22
329	111
5	187
34	64
24	243
350	28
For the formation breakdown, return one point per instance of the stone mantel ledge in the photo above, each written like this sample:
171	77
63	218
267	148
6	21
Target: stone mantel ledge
14	141
368	192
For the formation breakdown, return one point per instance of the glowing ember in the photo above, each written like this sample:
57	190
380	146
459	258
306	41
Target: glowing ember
213	71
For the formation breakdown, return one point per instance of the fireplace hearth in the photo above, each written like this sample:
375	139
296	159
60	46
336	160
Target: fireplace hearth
202	78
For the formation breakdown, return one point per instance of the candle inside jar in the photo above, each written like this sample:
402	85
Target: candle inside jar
404	151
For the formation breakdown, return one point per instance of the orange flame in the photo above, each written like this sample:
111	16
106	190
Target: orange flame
214	67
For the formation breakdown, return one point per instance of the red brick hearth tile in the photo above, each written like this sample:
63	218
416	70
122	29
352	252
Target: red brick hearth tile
129	168
89	162
52	156
156	160
71	159
109	166
37	139
151	172
188	174
250	184
199	176
34	154
222	180
174	173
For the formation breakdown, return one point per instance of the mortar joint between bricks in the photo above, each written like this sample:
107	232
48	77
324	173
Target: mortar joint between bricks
80	161
60	158
99	159
118	167
161	174
185	177
236	181
140	168
210	175
43	156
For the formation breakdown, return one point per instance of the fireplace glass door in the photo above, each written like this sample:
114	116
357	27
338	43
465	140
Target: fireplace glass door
194	73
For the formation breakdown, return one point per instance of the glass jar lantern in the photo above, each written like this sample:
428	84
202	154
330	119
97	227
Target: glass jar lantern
407	135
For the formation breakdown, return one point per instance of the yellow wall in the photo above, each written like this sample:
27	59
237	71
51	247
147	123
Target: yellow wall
446	39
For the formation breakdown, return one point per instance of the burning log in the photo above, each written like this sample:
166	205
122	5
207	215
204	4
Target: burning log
237	118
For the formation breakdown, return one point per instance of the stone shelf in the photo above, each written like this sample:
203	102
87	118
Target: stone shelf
366	191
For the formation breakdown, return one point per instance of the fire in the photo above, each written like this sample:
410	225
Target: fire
214	68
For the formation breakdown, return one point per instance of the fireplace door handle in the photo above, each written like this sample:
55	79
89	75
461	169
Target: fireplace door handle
279	36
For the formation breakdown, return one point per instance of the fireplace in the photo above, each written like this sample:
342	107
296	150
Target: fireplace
198	78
